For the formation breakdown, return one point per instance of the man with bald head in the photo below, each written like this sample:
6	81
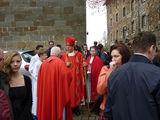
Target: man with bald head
4	88
53	95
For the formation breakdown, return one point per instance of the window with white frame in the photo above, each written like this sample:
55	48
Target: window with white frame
124	32
143	1
144	23
132	5
116	4
124	11
111	21
110	9
117	17
117	35
133	27
111	37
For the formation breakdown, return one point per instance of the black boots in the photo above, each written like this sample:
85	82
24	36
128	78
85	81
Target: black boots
76	111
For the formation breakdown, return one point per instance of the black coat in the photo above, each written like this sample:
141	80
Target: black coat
156	61
105	58
88	54
4	83
78	48
49	52
21	100
134	91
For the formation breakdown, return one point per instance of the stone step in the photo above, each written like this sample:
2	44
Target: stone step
84	115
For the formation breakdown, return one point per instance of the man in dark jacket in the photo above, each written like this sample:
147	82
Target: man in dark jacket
86	52
134	88
51	44
105	56
77	47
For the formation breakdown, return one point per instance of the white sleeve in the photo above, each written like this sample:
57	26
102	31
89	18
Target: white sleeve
36	70
31	65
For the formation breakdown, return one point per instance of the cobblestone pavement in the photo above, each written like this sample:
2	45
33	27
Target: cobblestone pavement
84	115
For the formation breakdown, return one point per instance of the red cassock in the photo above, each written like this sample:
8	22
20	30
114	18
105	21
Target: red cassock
53	92
77	88
96	67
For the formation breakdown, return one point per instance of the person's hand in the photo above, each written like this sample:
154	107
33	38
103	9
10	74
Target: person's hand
68	64
84	64
113	65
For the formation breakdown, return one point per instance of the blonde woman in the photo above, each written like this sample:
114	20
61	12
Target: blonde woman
20	91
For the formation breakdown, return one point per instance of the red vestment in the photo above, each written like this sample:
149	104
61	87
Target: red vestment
77	88
53	93
96	67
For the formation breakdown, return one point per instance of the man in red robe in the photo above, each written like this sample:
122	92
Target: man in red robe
53	92
74	61
95	65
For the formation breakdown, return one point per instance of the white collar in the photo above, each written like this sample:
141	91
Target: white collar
91	60
71	54
105	52
92	57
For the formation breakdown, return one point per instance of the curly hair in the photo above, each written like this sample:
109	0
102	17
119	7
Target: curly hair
7	60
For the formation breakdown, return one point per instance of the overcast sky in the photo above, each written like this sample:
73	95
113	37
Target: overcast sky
96	22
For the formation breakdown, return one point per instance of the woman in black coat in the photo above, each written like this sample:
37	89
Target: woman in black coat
20	91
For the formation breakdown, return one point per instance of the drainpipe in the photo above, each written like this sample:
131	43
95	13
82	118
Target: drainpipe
159	9
139	22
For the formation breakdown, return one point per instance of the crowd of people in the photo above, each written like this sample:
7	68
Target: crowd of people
124	80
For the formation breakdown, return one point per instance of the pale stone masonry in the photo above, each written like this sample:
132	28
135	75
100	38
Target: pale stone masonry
125	18
26	23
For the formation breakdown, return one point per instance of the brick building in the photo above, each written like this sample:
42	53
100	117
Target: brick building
125	18
26	23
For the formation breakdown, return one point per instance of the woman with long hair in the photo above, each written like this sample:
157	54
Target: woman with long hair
120	54
20	91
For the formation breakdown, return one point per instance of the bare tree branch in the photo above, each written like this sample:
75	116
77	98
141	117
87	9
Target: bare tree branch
95	3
